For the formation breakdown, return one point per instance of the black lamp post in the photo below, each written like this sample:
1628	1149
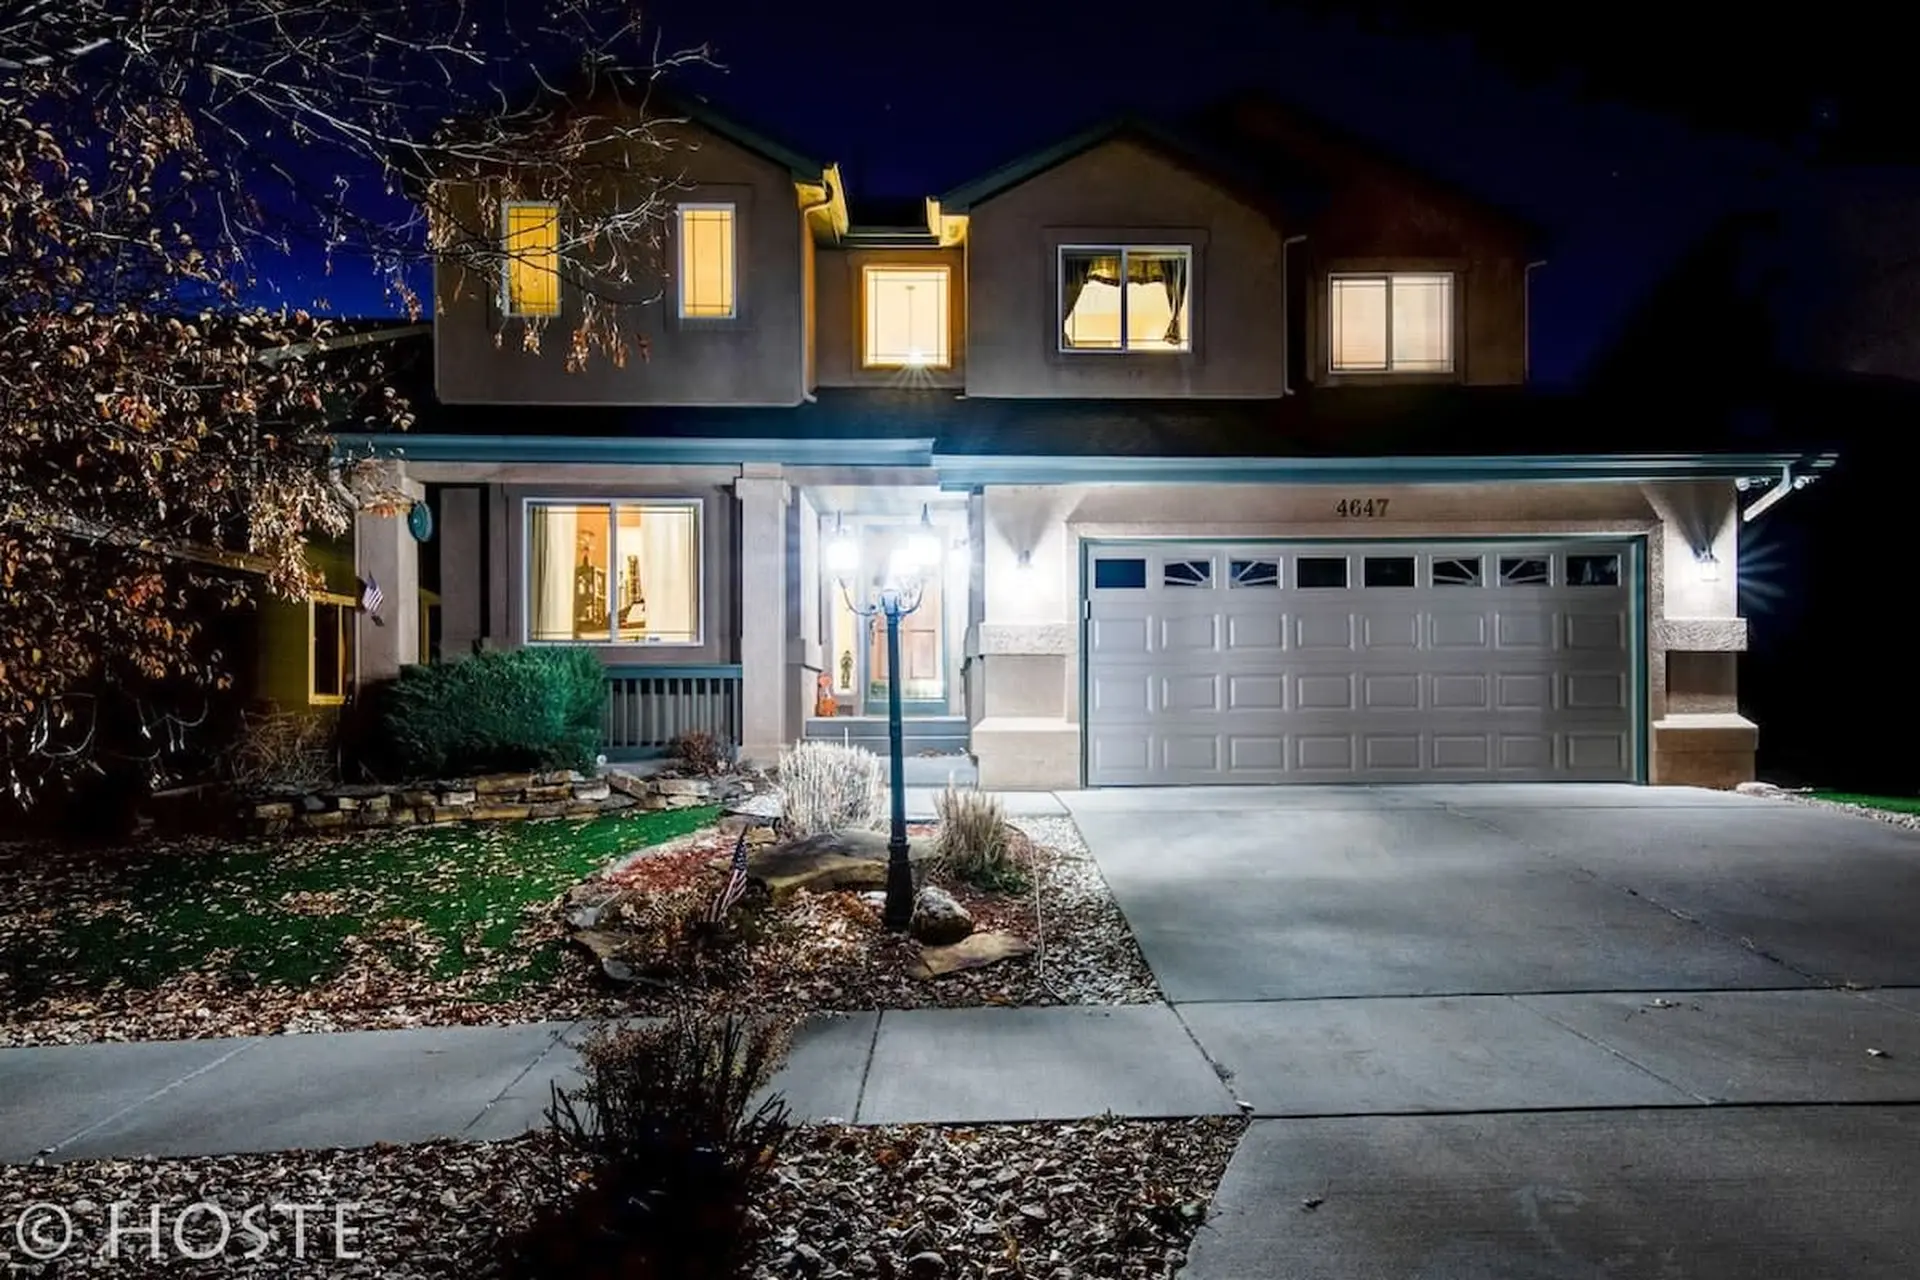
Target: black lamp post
894	603
899	595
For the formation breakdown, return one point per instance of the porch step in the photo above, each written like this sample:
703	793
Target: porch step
919	734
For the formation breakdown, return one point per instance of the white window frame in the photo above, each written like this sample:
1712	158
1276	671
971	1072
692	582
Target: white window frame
696	505
1388	370
680	212
350	646
867	273
506	267
1059	311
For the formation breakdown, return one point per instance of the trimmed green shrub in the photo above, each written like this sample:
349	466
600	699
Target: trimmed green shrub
493	712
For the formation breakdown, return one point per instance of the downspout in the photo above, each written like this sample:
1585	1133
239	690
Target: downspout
1526	319
1286	334
825	201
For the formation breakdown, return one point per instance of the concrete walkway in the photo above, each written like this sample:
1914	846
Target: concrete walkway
273	1093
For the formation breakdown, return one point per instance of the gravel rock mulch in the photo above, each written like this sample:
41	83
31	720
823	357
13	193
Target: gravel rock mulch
1908	821
830	951
1097	1198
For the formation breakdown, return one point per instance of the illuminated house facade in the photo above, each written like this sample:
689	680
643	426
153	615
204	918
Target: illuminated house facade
1211	448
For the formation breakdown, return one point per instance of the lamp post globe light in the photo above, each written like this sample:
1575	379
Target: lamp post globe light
895	595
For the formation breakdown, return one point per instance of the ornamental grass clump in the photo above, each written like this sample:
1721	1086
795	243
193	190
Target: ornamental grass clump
975	844
829	787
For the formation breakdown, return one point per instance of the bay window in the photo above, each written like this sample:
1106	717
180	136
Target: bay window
1125	298
1400	322
613	572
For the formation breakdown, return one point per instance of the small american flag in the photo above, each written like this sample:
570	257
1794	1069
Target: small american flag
736	885
371	598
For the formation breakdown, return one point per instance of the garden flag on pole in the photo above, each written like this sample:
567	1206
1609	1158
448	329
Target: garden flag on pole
371	598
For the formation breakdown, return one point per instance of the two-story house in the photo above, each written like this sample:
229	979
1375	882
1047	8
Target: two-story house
1210	450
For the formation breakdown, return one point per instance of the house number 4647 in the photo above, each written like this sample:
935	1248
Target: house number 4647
1361	508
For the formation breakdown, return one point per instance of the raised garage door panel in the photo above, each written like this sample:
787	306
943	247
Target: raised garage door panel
1264	663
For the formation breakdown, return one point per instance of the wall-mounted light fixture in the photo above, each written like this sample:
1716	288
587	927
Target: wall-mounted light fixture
1706	565
1025	559
923	547
843	553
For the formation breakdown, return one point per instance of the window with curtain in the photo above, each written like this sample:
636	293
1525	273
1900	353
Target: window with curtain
1125	298
613	572
1390	323
531	241
906	320
707	257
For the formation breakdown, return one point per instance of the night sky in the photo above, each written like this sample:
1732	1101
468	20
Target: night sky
911	101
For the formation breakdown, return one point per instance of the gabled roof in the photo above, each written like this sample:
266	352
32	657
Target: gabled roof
1226	120
1264	183
701	111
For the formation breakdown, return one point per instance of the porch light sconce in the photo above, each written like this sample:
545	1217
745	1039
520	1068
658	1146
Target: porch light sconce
843	553
1025	559
923	547
1706	565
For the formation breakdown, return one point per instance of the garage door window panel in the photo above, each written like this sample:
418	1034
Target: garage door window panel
1318	573
1593	571
1120	574
1388	571
1526	571
1254	573
1454	571
1187	573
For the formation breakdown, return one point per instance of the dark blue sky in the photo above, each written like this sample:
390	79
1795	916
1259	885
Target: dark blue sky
911	100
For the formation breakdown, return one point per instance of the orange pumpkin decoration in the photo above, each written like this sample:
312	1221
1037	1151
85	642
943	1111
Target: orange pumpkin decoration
824	703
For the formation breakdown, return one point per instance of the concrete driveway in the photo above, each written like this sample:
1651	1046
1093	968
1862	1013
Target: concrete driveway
1539	1031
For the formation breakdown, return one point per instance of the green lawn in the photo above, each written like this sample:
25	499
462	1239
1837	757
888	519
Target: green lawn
1892	804
449	904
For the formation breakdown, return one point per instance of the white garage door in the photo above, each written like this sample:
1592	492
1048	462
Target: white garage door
1360	662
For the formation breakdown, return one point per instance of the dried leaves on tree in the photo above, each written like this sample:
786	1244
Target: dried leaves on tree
164	439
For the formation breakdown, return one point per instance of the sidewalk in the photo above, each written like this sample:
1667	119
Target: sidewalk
272	1093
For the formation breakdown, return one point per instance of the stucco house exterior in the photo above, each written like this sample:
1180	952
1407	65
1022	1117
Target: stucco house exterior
1211	447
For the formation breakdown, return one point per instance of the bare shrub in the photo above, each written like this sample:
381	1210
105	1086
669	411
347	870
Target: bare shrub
701	754
661	1156
283	749
976	845
830	787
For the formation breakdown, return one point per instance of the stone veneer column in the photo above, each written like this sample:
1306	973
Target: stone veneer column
385	552
763	497
1699	738
1027	644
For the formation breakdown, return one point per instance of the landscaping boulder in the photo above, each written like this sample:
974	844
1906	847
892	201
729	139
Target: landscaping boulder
938	918
830	860
975	951
610	949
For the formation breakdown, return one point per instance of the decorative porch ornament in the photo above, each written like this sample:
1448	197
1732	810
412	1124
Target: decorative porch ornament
824	703
420	521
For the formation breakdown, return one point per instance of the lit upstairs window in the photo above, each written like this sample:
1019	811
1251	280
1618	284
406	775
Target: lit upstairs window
907	318
1126	298
1401	323
707	275
532	246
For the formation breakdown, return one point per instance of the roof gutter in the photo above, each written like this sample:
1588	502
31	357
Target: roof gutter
630	450
1787	482
961	471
